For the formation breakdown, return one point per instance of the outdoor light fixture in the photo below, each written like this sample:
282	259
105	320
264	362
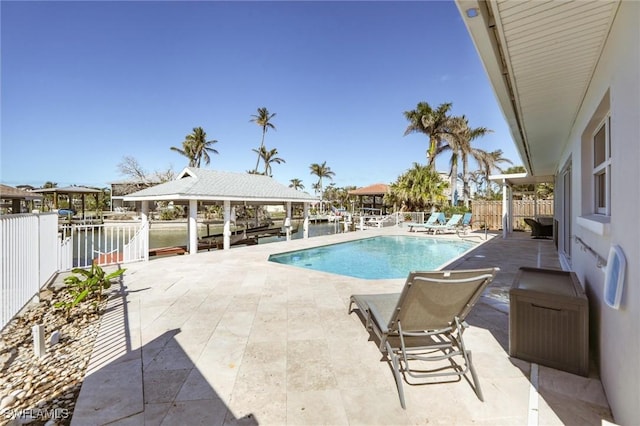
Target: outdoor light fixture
472	12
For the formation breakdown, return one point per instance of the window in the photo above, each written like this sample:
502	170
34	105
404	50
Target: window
602	168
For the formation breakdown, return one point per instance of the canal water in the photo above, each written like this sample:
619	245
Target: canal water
159	237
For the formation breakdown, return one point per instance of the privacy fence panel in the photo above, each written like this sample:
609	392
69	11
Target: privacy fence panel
490	212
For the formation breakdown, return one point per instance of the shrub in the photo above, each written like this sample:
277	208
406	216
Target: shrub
87	284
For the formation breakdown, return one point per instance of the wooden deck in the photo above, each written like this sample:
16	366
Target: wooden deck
166	251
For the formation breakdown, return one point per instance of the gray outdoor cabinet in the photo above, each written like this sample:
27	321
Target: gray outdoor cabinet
549	320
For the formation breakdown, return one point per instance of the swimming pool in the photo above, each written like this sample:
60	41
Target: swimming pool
378	257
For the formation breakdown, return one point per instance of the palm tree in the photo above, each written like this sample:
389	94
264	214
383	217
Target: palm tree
460	146
456	146
420	188
196	147
262	119
296	184
322	171
269	157
475	177
489	161
316	187
433	123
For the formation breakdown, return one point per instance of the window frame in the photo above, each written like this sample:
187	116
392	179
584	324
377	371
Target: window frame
602	202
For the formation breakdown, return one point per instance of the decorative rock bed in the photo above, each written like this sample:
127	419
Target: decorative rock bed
44	390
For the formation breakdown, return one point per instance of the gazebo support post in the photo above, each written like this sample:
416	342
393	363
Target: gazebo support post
305	223
226	231
505	209
193	226
287	221
144	220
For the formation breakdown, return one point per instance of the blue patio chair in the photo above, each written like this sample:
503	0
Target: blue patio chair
434	219
451	225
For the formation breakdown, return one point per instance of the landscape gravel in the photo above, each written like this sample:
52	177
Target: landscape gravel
43	390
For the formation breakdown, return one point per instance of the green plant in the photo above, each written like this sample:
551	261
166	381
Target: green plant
450	210
171	213
87	284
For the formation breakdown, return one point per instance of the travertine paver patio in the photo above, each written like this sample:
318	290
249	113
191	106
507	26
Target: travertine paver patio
227	337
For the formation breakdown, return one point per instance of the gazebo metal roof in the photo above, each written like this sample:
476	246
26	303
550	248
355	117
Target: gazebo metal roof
214	185
68	190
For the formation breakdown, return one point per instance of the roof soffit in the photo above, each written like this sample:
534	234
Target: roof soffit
542	59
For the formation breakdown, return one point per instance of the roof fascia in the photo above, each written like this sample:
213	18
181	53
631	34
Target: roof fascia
487	36
179	197
508	176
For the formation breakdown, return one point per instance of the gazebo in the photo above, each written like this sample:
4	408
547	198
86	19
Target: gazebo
70	191
17	197
376	192
194	185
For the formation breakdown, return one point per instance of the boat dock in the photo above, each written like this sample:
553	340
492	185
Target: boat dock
249	236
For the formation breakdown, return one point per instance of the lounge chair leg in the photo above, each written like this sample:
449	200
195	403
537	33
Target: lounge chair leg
474	376
396	373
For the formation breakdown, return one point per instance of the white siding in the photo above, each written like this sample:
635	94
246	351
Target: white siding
614	332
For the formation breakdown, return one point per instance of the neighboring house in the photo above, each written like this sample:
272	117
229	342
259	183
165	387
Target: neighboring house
26	187
372	197
567	76
445	177
122	188
15	200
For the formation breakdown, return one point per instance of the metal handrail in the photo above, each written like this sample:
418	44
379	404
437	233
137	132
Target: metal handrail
602	262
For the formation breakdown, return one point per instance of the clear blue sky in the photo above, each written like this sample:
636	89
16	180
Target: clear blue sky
86	83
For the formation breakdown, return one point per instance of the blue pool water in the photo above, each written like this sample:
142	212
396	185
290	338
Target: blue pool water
377	257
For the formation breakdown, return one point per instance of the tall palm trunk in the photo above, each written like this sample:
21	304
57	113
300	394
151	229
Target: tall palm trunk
454	178
260	150
431	154
465	180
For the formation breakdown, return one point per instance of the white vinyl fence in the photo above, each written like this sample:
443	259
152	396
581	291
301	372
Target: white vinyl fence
33	249
83	245
28	256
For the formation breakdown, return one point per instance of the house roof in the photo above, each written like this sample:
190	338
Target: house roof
214	185
540	58
135	182
375	189
10	193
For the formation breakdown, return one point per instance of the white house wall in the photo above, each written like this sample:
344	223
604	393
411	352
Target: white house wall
614	333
